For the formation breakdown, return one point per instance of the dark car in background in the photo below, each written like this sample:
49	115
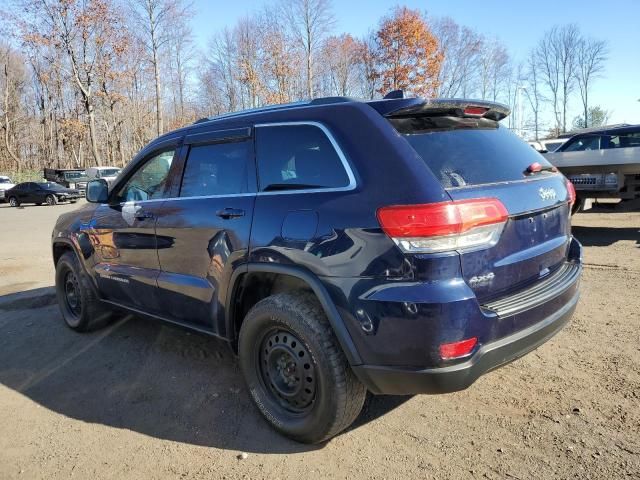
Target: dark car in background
41	192
399	246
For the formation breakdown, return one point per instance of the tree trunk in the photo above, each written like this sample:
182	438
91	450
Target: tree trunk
92	131
156	73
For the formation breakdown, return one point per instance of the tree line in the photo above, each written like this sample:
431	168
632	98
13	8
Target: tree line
90	82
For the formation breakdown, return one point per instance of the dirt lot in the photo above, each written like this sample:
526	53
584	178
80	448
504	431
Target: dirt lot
144	400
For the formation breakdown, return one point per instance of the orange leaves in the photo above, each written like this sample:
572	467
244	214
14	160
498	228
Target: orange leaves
407	53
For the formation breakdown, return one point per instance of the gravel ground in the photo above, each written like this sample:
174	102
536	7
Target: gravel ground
144	400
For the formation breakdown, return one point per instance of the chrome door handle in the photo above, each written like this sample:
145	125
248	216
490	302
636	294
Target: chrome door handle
227	213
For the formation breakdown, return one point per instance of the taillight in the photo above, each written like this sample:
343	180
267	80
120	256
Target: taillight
571	190
449	351
473	110
438	227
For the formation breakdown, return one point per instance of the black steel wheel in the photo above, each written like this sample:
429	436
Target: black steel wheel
72	295
287	371
80	307
295	370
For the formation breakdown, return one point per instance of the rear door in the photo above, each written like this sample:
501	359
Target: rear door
203	234
479	158
27	193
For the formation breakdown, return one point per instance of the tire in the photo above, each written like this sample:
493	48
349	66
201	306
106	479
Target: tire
14	202
287	338
51	200
577	206
73	201
81	309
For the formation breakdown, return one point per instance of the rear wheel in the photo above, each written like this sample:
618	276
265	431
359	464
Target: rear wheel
51	200
296	372
577	205
79	305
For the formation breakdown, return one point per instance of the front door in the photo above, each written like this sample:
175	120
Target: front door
209	226
124	239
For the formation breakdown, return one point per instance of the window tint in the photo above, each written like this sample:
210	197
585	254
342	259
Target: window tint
297	157
583	143
148	181
219	169
630	140
467	155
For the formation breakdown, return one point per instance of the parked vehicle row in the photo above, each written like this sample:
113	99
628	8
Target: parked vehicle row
602	163
5	184
40	192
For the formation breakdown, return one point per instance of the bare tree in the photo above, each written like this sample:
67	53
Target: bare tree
12	83
311	21
279	59
341	55
222	66
460	47
154	19
549	66
591	57
533	92
567	47
369	77
494	69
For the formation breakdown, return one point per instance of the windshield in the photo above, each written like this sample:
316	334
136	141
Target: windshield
464	151
552	146
5	180
74	175
108	172
51	186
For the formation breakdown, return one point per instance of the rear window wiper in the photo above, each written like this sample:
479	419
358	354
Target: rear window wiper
273	187
538	168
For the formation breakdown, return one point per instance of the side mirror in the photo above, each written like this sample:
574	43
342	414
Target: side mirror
97	191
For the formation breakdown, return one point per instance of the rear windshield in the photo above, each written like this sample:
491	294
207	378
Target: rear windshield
463	151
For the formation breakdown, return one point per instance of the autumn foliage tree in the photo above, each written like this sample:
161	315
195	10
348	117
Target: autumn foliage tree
408	55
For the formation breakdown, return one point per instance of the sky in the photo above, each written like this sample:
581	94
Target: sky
517	23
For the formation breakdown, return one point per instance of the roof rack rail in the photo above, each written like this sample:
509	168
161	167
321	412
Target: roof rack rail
280	106
267	108
330	100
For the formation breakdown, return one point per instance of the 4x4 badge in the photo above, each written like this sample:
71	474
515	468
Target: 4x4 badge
547	193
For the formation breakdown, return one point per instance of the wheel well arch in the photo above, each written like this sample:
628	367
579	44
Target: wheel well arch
59	249
259	281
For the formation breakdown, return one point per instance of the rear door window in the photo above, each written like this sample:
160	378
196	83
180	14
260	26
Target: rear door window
216	169
297	157
463	152
591	142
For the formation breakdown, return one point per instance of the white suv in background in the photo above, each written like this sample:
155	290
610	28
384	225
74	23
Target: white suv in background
107	173
5	184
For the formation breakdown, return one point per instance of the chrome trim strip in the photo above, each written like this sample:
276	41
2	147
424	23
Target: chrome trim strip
343	159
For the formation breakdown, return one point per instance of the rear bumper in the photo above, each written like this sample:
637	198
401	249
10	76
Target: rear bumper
403	381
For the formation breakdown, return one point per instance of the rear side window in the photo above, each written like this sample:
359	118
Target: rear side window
591	142
217	169
297	157
464	152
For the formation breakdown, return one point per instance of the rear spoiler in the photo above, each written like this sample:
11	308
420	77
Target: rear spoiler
412	107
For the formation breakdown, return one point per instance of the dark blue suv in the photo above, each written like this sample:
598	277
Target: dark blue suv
399	246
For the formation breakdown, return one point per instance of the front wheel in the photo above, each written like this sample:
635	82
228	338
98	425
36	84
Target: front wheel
295	370
80	307
13	201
